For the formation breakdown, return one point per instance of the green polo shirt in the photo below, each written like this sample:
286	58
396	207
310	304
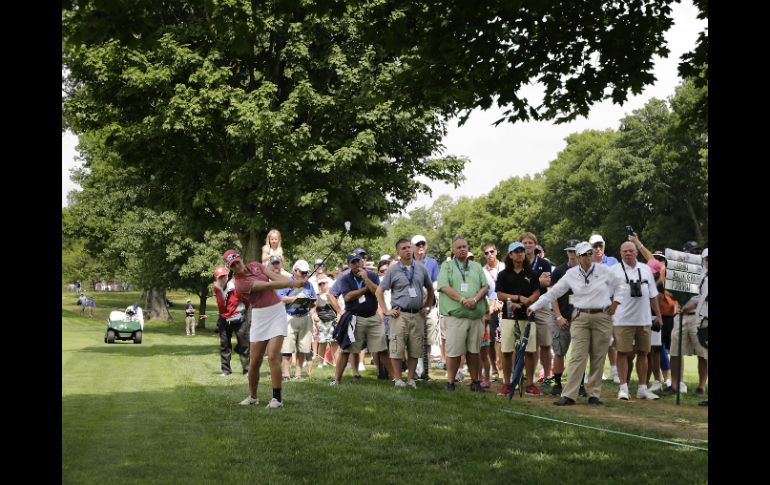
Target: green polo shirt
451	275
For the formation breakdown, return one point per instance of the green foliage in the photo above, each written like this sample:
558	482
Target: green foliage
285	105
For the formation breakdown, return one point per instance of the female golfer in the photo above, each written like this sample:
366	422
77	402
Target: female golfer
267	314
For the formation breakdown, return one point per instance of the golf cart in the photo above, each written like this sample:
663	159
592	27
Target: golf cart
124	326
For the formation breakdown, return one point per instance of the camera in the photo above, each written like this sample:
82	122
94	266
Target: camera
630	230
636	288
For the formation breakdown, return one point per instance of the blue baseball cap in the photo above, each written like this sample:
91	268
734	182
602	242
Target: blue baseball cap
360	251
514	246
353	257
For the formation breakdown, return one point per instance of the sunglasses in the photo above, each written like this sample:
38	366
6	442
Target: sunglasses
588	253
598	245
420	243
304	273
487	253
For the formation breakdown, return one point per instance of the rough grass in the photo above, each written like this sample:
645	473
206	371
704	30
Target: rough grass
159	412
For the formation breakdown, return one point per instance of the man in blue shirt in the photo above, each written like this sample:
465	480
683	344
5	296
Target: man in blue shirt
299	338
358	288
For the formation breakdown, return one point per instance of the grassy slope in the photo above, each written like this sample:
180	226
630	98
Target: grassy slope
160	412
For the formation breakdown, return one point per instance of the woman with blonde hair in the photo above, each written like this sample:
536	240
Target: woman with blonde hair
272	246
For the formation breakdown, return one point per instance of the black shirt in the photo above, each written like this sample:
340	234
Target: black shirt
523	283
539	266
563	301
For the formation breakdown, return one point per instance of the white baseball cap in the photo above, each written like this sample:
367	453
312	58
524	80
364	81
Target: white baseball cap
583	248
301	265
419	238
595	239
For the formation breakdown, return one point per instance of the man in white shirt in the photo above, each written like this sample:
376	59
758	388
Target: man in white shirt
592	287
632	324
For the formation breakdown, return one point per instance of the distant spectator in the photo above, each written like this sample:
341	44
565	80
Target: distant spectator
189	314
82	302
91	304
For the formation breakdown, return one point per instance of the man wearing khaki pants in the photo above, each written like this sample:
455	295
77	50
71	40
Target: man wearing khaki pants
408	282
591	324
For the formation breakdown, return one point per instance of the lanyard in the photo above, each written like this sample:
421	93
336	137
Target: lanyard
586	275
534	263
355	280
406	273
460	270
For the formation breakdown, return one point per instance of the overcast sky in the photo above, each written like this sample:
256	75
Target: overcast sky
497	153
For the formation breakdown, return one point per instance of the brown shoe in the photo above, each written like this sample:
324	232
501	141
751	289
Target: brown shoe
564	401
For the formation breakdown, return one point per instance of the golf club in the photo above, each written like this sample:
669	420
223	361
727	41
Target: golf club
323	261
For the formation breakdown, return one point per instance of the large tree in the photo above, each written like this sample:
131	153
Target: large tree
248	115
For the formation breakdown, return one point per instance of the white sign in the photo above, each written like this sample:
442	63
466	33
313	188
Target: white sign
683	271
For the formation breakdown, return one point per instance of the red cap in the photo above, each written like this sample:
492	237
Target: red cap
230	257
220	271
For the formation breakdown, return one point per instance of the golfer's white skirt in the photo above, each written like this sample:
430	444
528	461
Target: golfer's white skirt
268	322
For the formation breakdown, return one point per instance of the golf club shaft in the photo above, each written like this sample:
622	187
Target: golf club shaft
323	261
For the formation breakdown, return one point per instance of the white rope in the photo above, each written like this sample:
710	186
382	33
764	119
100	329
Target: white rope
608	430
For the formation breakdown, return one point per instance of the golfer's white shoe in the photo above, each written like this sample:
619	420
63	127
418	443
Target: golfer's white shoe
274	403
250	400
623	394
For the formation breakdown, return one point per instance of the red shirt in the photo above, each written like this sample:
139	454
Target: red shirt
243	283
228	300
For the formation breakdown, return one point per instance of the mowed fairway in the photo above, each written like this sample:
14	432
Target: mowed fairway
160	412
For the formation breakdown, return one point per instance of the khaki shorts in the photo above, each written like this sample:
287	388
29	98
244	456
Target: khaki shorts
299	337
543	318
407	333
632	338
432	323
463	335
508	342
369	329
442	326
690	345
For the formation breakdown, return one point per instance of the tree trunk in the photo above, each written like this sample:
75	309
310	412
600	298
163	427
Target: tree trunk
203	293
252	249
155	306
695	223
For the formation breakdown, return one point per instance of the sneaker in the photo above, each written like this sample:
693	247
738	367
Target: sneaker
669	391
249	400
274	403
460	376
297	378
503	392
616	379
224	374
485	384
682	388
334	382
449	387
556	390
646	394
399	383
655	386
285	379
699	391
532	390
623	394
604	377
411	383
595	400
548	381
564	401
668	382
582	391
361	366
495	376
476	386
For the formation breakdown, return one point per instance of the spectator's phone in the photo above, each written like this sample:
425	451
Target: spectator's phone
630	230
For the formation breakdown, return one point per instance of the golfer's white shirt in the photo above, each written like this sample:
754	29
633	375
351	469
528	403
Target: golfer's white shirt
596	293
